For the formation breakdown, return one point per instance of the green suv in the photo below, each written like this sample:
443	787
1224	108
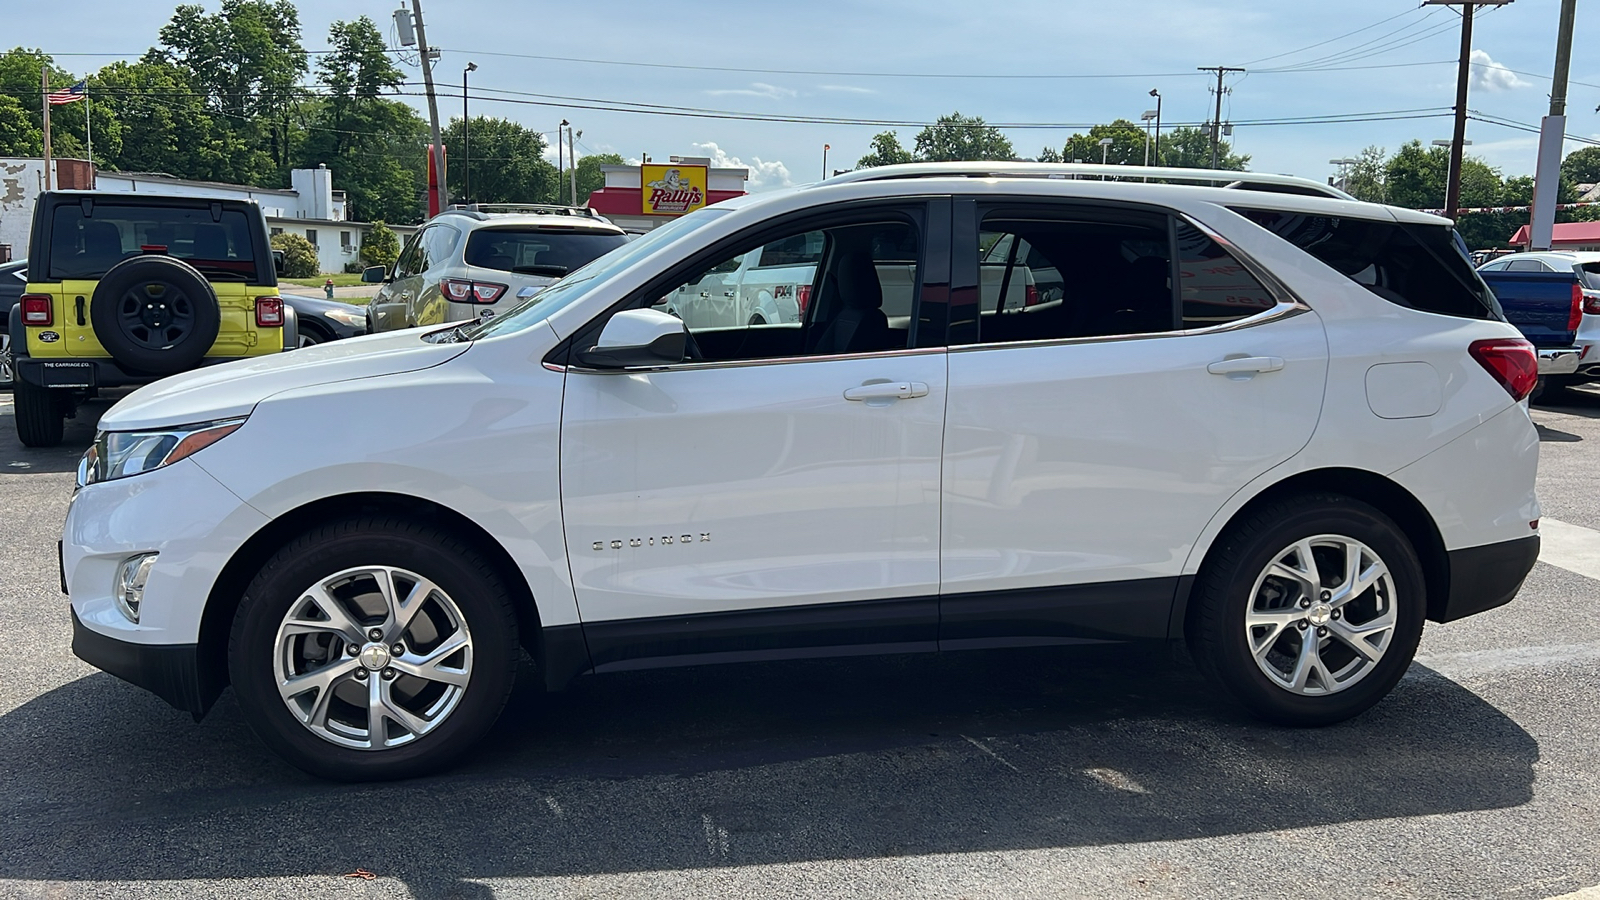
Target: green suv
125	289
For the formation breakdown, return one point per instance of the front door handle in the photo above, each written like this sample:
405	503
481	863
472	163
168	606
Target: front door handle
888	390
1246	365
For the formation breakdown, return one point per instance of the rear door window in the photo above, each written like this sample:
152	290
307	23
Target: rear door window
1527	265
87	246
1424	267
534	251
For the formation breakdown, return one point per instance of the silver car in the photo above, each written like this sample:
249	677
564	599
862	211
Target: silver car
467	260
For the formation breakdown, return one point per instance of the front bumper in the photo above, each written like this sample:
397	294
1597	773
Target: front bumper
1562	361
1482	578
170	671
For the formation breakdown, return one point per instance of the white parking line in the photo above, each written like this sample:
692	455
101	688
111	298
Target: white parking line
1571	547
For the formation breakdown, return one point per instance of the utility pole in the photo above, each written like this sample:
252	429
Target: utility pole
561	169
1452	190
572	157
1552	135
1216	124
44	98
433	104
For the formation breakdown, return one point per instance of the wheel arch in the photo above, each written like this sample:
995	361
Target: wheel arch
228	589
1380	492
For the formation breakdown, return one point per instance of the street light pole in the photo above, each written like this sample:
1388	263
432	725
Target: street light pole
825	149
1157	143
561	171
466	146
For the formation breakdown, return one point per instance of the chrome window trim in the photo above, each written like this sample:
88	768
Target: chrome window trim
1288	304
743	363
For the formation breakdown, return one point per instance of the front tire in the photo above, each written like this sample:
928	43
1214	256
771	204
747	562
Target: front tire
40	415
1309	610
374	648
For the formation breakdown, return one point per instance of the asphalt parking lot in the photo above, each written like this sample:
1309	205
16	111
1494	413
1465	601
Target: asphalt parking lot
979	775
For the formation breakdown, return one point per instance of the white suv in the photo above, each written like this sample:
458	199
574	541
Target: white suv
1282	426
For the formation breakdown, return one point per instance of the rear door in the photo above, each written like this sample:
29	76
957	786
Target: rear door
1091	436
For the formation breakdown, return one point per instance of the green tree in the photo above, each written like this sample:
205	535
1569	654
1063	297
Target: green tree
1127	144
299	256
1415	176
1050	155
1582	166
507	160
1365	179
886	151
957	138
18	135
1188	147
589	176
380	246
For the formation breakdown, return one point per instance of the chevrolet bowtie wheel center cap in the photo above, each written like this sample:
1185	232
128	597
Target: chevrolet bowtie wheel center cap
374	656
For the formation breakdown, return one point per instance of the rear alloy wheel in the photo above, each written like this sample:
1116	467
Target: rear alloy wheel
374	648
1309	611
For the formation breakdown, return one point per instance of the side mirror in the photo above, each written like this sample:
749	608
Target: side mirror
373	275
277	263
637	338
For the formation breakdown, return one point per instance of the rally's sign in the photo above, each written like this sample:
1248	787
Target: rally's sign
672	190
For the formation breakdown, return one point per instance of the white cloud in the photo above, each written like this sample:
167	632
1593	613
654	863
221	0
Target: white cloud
763	175
756	89
846	89
1492	76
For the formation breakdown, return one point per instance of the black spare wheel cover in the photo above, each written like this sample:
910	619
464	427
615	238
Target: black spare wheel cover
155	314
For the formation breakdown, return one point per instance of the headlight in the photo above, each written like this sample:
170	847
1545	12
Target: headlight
354	320
119	454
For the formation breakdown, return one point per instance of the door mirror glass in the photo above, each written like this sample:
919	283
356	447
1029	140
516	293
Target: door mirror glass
637	337
373	275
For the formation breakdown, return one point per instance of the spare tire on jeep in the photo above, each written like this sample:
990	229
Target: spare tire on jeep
155	314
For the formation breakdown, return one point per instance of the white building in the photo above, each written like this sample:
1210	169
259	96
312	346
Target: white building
310	207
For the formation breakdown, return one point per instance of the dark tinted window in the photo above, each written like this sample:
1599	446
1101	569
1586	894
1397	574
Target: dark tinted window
1423	267
1527	265
1055	275
85	247
535	252
1216	288
1590	274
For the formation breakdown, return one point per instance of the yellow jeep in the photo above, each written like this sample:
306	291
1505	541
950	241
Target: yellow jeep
125	289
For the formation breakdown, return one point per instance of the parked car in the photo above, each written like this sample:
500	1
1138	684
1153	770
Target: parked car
464	262
125	289
1552	291
1290	489
321	320
13	279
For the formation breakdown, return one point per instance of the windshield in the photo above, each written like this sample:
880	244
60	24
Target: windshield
541	249
85	247
576	286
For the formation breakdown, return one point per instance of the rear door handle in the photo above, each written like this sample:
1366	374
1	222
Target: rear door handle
888	390
1247	365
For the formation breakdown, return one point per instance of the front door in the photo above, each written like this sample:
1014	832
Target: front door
778	496
1093	433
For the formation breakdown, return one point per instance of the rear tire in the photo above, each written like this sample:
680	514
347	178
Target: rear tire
1280	623
40	417
401	639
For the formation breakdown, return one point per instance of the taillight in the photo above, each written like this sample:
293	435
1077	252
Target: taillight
1591	305
37	310
1031	296
1575	315
269	312
458	290
802	296
1511	361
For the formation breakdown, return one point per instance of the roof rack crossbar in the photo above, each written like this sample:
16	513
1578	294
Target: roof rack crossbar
1222	177
532	209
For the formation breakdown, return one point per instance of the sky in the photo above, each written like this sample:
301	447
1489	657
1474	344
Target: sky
910	61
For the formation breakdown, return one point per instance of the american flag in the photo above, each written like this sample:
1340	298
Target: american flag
70	95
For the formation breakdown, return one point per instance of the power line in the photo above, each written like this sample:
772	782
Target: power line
1332	39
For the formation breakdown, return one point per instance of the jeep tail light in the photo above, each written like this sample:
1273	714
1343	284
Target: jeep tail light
1511	361
37	310
1575	315
458	290
269	312
802	296
1031	296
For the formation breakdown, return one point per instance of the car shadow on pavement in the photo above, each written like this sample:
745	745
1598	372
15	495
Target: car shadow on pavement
741	765
1575	401
16	459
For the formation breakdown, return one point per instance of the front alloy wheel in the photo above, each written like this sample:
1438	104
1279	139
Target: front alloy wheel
374	647
373	657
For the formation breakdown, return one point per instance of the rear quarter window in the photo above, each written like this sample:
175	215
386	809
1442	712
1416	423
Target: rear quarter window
1423	267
